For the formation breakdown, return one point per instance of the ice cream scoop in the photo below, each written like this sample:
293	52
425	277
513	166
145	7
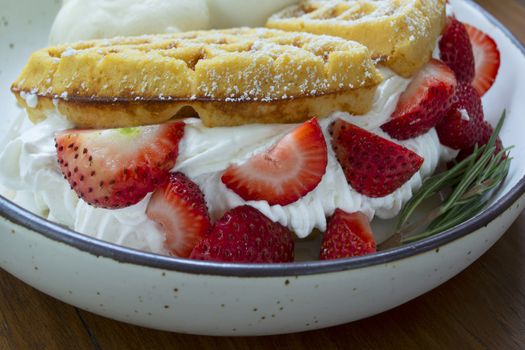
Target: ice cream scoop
83	20
95	19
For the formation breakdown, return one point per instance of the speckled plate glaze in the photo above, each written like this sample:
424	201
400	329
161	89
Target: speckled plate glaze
228	299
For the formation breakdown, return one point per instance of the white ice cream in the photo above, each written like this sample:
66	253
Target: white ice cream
29	166
94	19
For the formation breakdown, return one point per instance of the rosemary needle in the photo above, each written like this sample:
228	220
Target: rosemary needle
470	181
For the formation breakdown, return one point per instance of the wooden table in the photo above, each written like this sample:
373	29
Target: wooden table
482	308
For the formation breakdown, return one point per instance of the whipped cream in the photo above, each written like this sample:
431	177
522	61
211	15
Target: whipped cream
206	153
30	168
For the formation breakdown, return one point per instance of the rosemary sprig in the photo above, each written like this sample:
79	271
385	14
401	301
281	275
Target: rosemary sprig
470	181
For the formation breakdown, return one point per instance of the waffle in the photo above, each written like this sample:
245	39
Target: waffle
402	33
227	77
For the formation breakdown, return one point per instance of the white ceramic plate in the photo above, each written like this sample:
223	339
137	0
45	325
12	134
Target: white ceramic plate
228	299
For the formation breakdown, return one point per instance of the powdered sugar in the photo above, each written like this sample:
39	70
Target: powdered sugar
234	65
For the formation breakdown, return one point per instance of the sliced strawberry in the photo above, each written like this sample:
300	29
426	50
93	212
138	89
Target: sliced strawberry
424	103
116	168
463	126
373	166
456	50
486	57
245	235
180	209
285	172
486	132
348	235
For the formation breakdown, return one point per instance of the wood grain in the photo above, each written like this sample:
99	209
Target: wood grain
509	12
32	320
481	308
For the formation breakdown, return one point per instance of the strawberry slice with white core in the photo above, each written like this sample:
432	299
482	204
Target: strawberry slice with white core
486	59
424	103
373	165
180	209
116	168
286	171
348	235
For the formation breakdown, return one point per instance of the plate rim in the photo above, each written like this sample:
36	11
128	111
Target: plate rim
56	232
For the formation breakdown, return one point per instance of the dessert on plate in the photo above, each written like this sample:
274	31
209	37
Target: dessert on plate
229	145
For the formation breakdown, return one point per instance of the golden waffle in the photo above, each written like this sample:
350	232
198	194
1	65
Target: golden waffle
228	77
403	33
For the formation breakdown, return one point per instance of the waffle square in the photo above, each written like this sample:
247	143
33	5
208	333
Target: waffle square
402	33
149	79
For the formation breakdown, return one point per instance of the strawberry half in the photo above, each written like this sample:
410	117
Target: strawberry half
180	209
486	58
348	235
424	103
484	136
463	126
245	235
456	50
373	166
116	168
286	171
